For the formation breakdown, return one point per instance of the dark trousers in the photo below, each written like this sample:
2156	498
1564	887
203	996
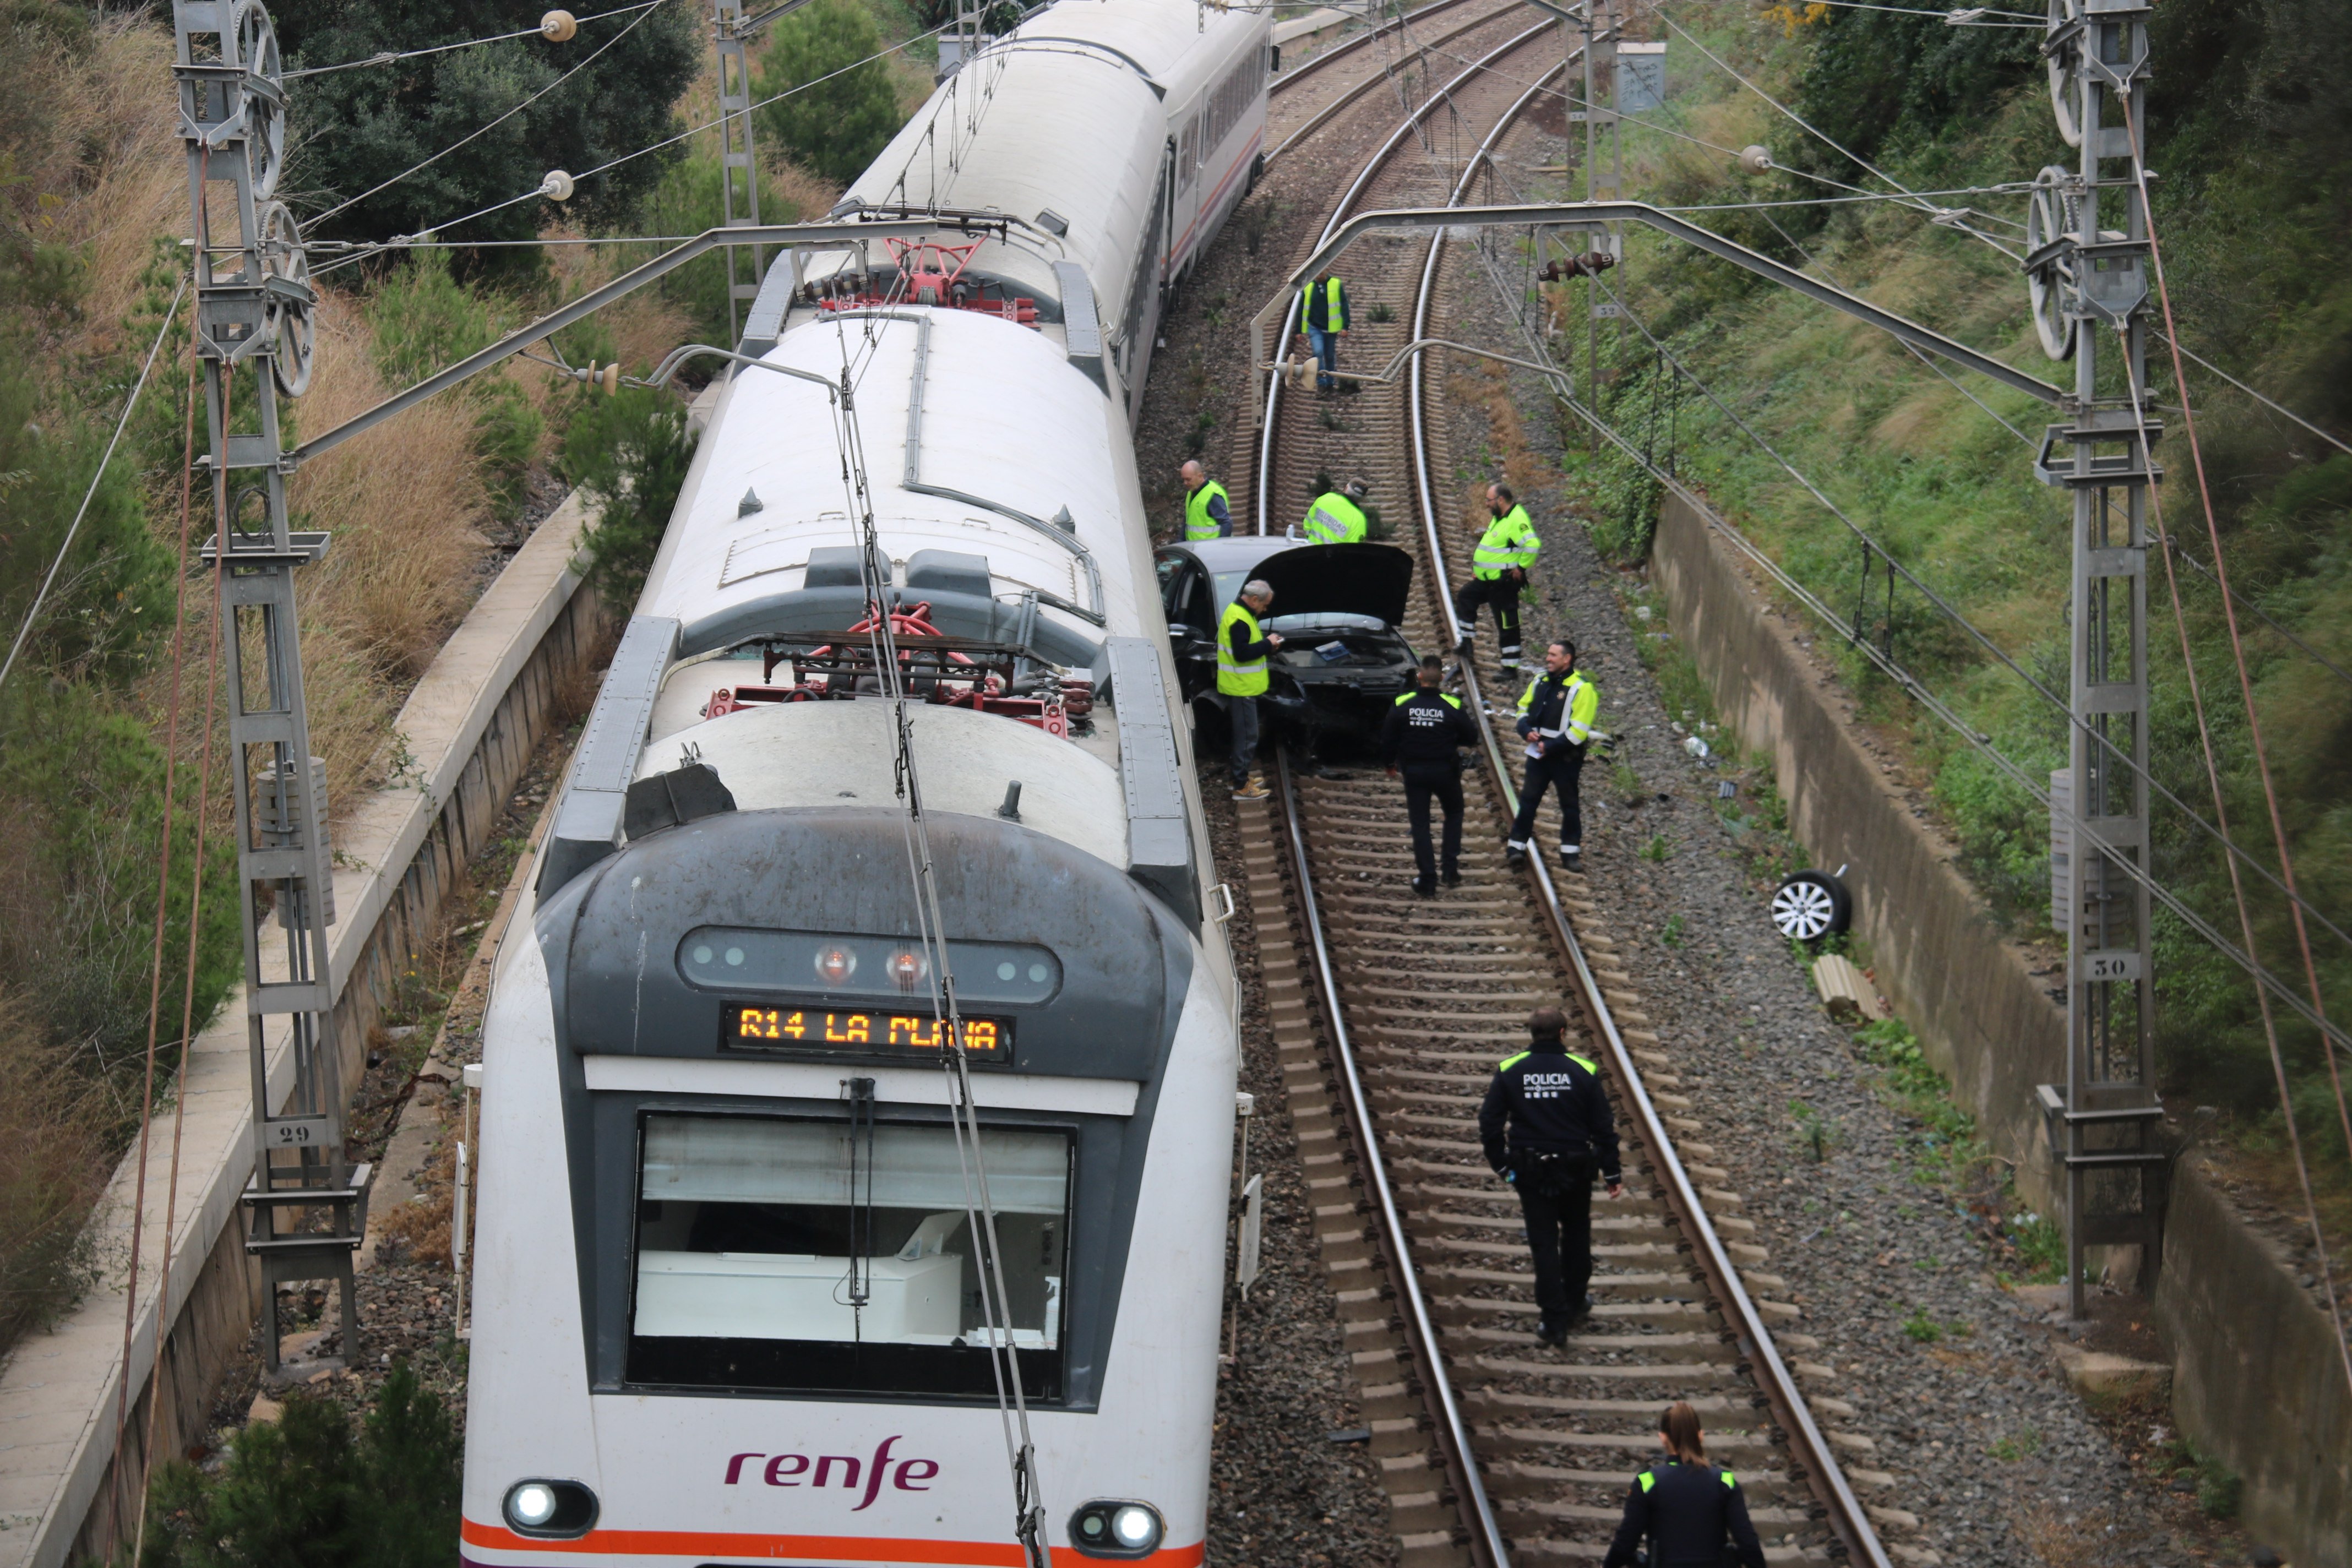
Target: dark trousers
1241	712
1561	769
1560	1237
1446	788
1500	594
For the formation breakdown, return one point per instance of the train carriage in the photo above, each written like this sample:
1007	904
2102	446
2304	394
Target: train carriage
729	1303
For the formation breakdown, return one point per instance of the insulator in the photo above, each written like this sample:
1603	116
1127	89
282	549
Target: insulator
1755	160
557	187
610	380
557	27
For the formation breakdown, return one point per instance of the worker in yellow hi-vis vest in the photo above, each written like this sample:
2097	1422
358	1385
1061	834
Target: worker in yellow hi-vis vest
1323	315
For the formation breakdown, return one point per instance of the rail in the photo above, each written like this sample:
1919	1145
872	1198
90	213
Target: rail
1806	1442
1323	116
1262	499
1420	1330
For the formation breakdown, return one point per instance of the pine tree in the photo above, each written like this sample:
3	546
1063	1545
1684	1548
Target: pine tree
836	123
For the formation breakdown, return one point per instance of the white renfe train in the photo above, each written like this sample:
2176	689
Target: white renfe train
726	1309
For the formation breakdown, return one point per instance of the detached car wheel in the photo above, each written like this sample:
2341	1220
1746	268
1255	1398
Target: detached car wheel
1811	905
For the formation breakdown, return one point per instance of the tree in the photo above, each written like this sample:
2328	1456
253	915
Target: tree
355	130
628	454
836	123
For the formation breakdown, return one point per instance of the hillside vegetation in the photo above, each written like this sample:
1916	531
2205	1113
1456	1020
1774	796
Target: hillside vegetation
424	510
2253	142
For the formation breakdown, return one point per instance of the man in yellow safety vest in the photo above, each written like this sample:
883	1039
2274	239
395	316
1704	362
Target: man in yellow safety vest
1207	513
1557	715
1242	649
1337	517
1323	315
1497	572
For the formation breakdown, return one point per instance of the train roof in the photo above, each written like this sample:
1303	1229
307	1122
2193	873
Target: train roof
973	410
1074	122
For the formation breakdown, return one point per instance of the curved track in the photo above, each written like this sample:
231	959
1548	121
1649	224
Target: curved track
1492	1445
1371	71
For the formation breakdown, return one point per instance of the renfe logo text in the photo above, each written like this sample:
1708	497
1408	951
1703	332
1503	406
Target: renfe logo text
799	1469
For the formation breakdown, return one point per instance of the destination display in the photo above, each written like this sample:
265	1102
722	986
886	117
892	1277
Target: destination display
765	1026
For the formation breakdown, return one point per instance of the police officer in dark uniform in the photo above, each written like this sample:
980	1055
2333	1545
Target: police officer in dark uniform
1420	739
1547	1129
1686	1509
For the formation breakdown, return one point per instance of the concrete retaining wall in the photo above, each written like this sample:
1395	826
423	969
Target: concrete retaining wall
67	1492
2257	1378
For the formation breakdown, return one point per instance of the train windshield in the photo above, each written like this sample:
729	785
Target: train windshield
837	1254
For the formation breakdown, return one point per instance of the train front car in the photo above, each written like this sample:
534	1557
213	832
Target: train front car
728	1303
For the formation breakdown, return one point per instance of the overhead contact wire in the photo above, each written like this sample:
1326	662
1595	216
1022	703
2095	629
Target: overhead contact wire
33	613
391	57
484	130
1952	613
2238	896
2236	643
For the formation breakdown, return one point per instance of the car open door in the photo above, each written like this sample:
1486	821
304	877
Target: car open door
1192	620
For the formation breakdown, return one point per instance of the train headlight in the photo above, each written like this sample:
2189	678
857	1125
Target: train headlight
551	1509
1117	1529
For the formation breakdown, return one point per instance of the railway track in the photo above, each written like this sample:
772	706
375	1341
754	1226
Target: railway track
1355	67
1390	1011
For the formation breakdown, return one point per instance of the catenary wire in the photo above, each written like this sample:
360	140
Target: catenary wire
162	911
2238	896
1966	16
188	984
2134	131
401	240
32	614
1952	613
485	129
1916	352
1916	689
390	56
1943	216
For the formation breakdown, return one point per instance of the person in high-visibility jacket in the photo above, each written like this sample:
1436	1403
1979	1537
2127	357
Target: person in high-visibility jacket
1242	649
1208	513
1498	569
1690	1512
1338	517
1555	714
1323	315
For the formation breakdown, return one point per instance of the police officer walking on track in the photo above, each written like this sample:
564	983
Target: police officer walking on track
1556	715
1688	1510
1498	569
1546	1130
1242	647
1420	739
1208	514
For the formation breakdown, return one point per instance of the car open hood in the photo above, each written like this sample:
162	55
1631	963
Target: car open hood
1342	579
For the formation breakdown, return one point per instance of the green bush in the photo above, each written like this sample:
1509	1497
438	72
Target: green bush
304	1492
81	779
628	453
836	126
425	319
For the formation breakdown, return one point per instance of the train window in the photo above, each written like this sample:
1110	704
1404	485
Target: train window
799	1254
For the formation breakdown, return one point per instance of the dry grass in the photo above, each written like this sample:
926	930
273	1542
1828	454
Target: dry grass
52	1169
